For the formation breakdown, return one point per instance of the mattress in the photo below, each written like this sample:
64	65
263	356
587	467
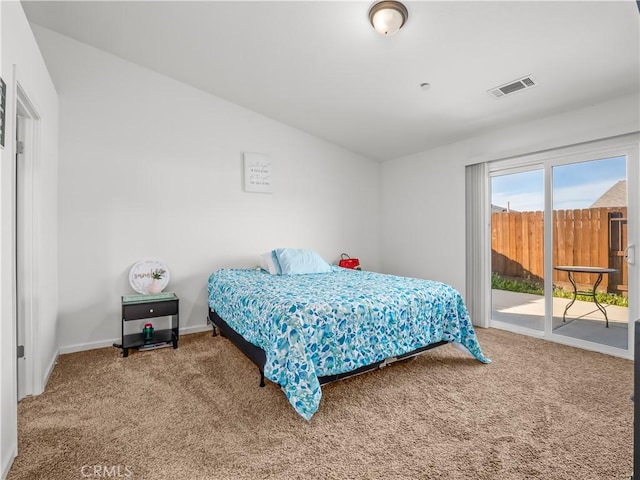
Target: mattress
330	323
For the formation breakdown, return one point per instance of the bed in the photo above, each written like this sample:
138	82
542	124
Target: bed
305	330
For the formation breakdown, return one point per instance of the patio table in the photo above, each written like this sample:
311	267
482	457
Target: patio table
600	271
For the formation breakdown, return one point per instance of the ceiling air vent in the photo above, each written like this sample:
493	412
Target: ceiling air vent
512	87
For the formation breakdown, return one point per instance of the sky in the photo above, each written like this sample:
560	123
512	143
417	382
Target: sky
577	185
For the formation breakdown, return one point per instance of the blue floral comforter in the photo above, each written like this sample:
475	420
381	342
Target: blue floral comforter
329	323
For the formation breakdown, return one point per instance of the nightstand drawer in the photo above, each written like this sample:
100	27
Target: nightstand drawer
150	310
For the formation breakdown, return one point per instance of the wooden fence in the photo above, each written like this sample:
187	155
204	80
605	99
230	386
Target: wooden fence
588	237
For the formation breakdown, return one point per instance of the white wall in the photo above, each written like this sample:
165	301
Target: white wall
150	167
423	195
20	49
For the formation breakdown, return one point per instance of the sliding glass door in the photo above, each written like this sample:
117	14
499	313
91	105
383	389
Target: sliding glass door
563	235
517	248
590	234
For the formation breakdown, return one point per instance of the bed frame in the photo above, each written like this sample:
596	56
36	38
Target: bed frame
259	357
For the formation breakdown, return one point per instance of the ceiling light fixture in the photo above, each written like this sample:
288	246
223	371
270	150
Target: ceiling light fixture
388	17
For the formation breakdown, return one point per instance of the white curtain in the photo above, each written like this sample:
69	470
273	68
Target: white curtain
478	244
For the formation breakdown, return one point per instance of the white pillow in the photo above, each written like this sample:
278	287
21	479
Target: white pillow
263	263
298	262
266	263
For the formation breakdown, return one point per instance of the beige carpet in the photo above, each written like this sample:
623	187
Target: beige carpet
540	410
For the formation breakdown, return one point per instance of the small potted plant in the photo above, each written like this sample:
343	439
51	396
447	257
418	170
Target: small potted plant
156	276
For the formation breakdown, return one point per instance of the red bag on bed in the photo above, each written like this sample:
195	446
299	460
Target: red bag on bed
347	262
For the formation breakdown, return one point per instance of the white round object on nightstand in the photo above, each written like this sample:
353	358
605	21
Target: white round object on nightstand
141	276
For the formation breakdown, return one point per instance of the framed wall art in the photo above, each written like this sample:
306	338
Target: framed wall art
257	173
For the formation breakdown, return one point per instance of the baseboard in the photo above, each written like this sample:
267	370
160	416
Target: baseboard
49	371
6	464
81	347
196	329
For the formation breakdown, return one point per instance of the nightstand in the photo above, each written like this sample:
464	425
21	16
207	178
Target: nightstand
138	307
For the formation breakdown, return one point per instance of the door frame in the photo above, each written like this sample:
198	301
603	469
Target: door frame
26	274
623	145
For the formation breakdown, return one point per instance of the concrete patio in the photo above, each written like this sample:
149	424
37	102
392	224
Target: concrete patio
583	319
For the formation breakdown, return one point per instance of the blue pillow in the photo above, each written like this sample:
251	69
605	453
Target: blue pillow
292	261
275	262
